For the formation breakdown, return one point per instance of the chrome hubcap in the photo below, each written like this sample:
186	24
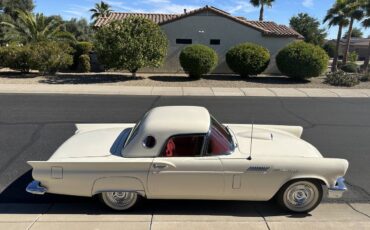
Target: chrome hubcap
300	196
121	200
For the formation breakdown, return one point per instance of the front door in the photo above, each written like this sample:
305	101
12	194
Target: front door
181	172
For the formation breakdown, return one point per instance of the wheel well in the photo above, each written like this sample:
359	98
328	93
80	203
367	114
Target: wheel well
313	180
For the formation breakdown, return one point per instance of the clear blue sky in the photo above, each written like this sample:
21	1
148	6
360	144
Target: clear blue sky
281	11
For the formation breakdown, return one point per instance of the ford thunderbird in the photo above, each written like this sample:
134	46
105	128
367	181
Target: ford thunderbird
183	152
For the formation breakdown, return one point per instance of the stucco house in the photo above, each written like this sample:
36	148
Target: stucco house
358	45
215	28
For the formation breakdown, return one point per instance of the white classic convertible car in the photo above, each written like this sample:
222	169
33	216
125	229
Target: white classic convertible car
183	152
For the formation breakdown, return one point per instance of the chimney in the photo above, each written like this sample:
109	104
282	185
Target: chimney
185	11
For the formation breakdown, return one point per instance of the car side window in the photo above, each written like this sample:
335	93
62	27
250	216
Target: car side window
183	146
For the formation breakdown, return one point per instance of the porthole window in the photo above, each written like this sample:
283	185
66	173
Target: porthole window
149	142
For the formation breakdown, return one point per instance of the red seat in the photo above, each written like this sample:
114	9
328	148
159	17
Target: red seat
170	148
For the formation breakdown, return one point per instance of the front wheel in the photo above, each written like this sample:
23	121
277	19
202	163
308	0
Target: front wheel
119	200
301	196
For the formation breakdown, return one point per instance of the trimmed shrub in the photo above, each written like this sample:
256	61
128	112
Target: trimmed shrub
341	78
83	48
84	63
302	60
350	68
50	57
16	57
80	48
197	60
248	59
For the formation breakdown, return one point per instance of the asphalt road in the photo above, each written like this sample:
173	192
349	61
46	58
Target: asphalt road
33	126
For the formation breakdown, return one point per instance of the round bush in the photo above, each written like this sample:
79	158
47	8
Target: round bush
84	63
83	48
350	68
197	60
302	60
248	59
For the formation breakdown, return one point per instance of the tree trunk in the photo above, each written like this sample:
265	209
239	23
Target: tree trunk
261	12
346	49
366	63
335	59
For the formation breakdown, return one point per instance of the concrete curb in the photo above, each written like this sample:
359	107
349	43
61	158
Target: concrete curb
239	216
184	91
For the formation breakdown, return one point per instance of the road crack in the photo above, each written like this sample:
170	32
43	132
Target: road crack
358	211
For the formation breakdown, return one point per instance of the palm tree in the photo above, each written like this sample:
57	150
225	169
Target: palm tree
261	3
354	11
337	17
101	9
366	24
31	27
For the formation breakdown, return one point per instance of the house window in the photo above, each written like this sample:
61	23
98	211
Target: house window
215	42
183	146
184	41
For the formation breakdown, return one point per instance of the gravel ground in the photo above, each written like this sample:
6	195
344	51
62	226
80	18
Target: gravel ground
180	80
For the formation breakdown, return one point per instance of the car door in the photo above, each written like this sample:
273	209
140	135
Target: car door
181	172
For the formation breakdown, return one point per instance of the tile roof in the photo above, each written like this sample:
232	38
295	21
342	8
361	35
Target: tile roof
157	18
356	41
266	28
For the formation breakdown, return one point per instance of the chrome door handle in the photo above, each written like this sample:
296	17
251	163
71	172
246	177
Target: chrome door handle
159	166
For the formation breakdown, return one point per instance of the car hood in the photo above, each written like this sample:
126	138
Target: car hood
95	143
271	142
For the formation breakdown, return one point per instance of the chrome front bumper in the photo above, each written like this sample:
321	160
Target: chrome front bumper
338	190
35	188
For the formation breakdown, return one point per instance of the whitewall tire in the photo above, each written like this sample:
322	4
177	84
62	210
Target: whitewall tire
300	196
119	201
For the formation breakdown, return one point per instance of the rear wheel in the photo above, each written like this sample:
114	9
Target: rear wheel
301	196
119	200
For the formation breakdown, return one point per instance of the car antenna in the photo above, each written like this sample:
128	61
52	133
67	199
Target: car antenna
250	146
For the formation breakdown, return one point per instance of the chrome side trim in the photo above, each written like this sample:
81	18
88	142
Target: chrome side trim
338	190
35	188
258	169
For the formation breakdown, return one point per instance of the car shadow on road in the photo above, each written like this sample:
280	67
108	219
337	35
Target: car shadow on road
88	78
15	200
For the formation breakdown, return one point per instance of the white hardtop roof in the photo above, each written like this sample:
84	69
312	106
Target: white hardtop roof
177	119
164	122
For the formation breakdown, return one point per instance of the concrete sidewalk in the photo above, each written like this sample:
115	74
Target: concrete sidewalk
183	91
235	216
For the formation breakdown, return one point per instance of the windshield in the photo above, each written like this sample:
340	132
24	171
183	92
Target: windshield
135	130
220	140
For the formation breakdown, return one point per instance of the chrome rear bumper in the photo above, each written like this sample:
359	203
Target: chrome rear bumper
35	188
338	190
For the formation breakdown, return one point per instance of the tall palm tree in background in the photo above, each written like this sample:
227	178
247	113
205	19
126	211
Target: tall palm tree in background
261	4
336	16
101	9
31	27
366	24
354	11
